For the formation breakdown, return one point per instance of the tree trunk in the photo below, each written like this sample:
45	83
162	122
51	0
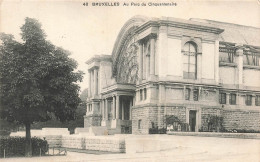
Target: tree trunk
28	143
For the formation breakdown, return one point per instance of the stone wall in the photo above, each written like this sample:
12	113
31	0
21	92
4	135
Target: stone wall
205	114
155	115
147	115
92	120
177	111
98	143
241	119
232	119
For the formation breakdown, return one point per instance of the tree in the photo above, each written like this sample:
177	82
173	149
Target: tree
37	79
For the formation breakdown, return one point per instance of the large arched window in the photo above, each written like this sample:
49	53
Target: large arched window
189	61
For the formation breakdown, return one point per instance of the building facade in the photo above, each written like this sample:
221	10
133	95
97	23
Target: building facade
187	68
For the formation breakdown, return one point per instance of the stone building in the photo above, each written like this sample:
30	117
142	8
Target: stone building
167	66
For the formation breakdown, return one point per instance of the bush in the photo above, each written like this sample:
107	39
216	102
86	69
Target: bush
15	146
157	130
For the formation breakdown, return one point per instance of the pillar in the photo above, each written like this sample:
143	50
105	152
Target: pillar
147	65
144	63
106	109
253	100
216	67
184	92
114	108
117	107
227	98
199	66
140	71
95	82
89	84
87	109
239	53
152	56
130	109
123	111
103	109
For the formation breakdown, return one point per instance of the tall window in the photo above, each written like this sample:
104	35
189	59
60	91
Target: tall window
145	94
139	123
222	98
190	61
248	100
141	94
195	94
232	99
187	94
257	100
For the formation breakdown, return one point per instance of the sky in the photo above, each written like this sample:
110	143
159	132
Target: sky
92	30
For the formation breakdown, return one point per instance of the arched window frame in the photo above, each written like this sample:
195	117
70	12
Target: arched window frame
189	54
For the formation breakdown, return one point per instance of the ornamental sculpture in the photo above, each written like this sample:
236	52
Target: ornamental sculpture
127	67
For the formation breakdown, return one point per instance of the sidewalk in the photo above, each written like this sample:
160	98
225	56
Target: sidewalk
186	148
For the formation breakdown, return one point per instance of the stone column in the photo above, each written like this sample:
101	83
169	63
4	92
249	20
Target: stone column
103	109
114	107
92	83
92	107
199	66
184	92
239	53
147	66
87	109
106	109
140	70
89	84
152	57
130	110
123	111
253	100
216	67
238	99
117	107
95	82
162	51
144	63
227	98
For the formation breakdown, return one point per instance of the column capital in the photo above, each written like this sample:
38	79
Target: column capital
153	36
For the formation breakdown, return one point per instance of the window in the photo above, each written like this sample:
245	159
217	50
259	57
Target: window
226	53
189	61
139	123
187	94
257	100
232	99
196	95
145	94
248	100
251	58
222	98
141	94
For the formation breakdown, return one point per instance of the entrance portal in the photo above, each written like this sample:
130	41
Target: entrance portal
192	120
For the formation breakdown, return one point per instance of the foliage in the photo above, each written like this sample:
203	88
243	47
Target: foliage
38	79
175	122
71	125
214	124
14	146
157	130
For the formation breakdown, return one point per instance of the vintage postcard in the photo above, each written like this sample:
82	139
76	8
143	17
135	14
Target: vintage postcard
130	80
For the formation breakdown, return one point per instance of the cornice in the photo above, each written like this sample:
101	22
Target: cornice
191	26
98	58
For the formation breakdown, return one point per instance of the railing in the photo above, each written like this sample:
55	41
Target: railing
55	151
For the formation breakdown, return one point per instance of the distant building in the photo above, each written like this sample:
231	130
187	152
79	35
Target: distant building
187	68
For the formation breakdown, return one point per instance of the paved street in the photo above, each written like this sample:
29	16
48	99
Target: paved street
186	148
